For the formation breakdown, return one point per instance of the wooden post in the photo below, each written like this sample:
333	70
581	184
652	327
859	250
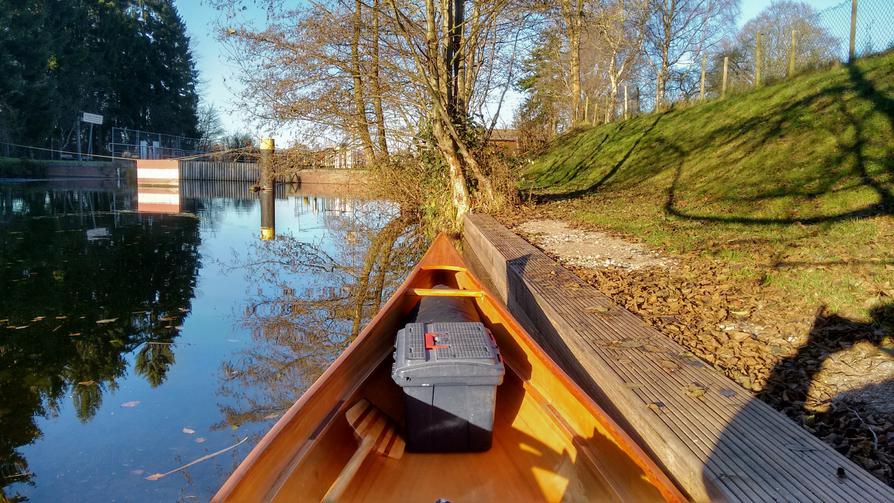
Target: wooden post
701	89
852	48
625	102
266	164
793	49
586	108
268	215
757	61
723	84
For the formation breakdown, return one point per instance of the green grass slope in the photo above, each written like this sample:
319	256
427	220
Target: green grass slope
786	181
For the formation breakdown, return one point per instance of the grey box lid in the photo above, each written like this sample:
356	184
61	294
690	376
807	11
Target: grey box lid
446	353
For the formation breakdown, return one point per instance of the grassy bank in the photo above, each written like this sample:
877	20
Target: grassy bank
792	184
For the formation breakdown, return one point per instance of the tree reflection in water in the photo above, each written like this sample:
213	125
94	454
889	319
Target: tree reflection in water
297	333
86	285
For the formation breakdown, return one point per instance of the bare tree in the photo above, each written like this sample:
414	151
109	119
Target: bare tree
677	30
815	45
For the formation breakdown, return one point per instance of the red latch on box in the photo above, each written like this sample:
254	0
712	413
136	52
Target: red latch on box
431	342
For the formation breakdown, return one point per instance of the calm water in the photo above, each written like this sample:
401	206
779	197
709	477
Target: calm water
139	332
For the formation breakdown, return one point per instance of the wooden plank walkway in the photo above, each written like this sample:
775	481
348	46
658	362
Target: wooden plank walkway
713	437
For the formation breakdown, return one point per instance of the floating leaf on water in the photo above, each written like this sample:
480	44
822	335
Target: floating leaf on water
86	383
131	404
200	440
155	476
271	416
106	321
188	431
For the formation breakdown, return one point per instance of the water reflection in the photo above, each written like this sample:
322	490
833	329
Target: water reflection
106	302
298	332
85	283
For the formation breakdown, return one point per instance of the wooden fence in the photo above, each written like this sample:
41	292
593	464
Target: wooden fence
219	170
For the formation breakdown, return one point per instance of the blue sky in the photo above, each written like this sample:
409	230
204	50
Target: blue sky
219	77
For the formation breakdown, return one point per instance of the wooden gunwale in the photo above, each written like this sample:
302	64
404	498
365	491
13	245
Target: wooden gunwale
346	376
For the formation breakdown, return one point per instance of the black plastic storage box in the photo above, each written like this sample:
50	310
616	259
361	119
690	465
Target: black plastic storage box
449	372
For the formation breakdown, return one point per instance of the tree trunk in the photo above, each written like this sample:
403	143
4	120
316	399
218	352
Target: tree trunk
572	15
459	192
377	85
360	123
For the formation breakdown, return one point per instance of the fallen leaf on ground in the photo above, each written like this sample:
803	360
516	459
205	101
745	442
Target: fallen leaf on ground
131	404
695	390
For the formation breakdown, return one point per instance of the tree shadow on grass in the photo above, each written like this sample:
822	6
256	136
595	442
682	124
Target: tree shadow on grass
604	178
858	150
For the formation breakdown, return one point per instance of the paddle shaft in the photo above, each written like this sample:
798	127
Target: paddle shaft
347	473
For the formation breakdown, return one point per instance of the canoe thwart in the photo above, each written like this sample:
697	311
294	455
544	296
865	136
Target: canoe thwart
445	292
453	268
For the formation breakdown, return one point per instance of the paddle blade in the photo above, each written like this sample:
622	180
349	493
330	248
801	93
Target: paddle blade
372	425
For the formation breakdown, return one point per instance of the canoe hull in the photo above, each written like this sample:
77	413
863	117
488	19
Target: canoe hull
551	441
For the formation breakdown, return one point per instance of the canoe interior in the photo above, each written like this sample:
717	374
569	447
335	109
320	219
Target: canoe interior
534	455
560	448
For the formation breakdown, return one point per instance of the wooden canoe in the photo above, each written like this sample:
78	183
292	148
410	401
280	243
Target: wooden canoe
551	442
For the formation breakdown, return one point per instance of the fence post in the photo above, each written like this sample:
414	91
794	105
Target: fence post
625	102
586	108
701	89
793	49
757	61
723	84
852	48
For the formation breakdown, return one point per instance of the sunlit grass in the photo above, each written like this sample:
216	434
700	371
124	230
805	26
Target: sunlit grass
793	183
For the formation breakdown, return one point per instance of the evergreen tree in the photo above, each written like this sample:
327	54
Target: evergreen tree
128	60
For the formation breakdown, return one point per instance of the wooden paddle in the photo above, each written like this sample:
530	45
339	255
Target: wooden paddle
377	433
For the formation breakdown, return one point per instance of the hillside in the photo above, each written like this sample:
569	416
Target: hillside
794	174
775	210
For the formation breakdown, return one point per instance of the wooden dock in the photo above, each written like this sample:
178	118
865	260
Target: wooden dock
715	439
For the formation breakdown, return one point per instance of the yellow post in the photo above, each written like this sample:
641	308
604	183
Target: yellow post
266	164
268	185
